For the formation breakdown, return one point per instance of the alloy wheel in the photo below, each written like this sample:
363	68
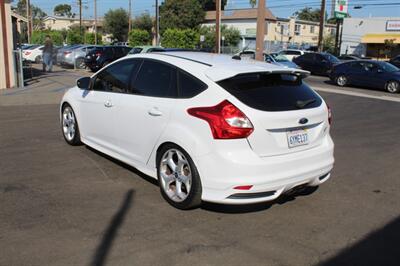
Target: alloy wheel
341	81
69	123
393	86
175	174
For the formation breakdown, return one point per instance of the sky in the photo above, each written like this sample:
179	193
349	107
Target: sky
280	8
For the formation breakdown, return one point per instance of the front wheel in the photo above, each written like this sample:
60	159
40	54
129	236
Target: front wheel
393	86
69	126
341	81
178	178
80	63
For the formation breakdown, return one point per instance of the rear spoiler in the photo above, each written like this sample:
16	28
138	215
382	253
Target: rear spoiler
229	73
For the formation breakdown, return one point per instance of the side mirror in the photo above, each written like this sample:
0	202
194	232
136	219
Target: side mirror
83	83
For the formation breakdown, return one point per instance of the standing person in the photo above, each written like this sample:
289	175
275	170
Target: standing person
48	54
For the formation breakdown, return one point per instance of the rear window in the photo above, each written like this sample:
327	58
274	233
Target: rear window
272	92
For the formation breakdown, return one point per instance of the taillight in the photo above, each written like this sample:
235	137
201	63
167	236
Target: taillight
226	120
98	54
27	53
67	52
329	115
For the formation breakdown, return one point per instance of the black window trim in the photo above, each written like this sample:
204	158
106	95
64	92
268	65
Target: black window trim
133	79
93	79
179	85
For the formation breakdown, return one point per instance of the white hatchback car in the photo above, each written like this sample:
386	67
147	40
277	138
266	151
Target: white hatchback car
33	54
208	127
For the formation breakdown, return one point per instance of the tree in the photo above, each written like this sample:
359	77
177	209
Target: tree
308	14
143	22
37	13
89	38
139	37
181	14
39	37
231	35
253	3
177	38
116	23
329	44
210	5
74	35
63	10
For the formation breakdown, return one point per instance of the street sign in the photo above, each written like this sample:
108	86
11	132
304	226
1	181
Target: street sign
341	8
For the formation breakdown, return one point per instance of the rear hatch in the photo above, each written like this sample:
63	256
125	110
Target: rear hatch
286	114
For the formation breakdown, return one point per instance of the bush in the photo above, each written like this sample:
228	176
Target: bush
39	37
231	34
139	37
89	38
176	38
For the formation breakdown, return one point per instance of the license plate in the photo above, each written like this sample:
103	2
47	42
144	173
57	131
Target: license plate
297	138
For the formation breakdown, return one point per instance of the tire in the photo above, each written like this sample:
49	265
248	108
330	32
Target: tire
69	126
341	80
392	86
38	59
176	169
80	63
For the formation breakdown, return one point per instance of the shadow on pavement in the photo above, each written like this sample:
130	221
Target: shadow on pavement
381	247
110	233
126	166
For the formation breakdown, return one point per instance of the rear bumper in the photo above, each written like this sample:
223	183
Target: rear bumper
269	177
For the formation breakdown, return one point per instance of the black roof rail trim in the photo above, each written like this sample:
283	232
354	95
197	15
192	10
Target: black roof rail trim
181	57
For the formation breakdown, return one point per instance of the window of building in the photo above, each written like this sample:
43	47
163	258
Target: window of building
312	29
297	29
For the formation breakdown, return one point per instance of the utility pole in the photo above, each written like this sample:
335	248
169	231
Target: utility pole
80	16
260	30
130	16
321	26
95	22
157	24
218	26
28	13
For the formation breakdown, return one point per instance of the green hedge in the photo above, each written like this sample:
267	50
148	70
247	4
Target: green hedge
139	37
38	37
176	38
89	38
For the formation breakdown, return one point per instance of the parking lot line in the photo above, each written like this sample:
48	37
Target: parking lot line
358	94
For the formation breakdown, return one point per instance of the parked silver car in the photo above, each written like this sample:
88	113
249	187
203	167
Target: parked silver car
76	56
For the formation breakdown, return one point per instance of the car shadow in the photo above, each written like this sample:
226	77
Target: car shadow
248	208
216	207
126	166
104	247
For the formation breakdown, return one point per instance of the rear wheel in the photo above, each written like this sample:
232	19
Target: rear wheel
80	63
341	81
178	178
393	86
69	126
38	59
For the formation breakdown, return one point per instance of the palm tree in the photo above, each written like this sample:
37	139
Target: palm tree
253	3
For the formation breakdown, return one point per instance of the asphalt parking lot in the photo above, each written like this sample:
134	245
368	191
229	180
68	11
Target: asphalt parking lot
63	205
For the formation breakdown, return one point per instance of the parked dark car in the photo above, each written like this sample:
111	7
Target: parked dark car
317	63
102	56
367	73
395	61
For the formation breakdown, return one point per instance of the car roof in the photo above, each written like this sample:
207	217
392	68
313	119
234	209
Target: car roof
219	67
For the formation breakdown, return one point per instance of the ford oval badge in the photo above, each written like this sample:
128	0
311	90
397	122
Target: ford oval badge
303	121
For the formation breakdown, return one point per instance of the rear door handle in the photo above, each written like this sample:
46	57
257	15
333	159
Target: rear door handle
155	112
108	104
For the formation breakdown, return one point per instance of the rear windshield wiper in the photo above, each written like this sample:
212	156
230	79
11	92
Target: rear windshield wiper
302	104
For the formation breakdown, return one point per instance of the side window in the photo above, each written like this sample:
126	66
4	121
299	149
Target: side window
189	86
308	57
155	79
116	78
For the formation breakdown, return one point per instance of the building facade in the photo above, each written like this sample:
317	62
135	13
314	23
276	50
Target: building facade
372	37
7	64
280	33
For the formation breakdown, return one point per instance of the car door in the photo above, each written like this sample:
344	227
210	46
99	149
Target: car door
145	111
99	105
374	75
356	73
